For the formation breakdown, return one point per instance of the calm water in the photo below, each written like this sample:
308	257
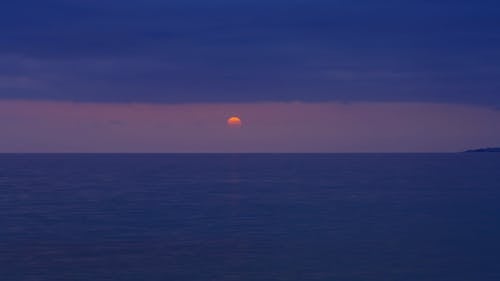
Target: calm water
250	217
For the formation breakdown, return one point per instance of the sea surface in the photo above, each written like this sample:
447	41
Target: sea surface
304	217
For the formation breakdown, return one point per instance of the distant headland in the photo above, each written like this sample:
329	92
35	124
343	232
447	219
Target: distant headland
489	149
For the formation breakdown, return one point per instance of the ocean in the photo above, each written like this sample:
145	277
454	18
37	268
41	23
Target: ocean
304	217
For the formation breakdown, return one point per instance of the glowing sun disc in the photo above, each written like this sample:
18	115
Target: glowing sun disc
234	122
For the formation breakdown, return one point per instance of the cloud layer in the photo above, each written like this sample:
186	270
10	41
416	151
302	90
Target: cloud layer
245	51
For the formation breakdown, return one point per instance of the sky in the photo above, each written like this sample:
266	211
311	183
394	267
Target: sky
304	75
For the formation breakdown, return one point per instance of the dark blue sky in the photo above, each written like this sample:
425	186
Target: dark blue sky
251	50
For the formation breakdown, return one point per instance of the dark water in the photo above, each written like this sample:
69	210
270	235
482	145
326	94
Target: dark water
250	217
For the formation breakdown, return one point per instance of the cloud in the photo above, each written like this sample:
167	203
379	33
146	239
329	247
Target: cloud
18	82
246	51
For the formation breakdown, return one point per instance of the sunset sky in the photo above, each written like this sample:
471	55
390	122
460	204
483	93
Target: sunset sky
303	75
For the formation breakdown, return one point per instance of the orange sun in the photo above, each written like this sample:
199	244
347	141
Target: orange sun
234	122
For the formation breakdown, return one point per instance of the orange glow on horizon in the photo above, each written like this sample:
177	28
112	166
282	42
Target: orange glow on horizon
234	122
